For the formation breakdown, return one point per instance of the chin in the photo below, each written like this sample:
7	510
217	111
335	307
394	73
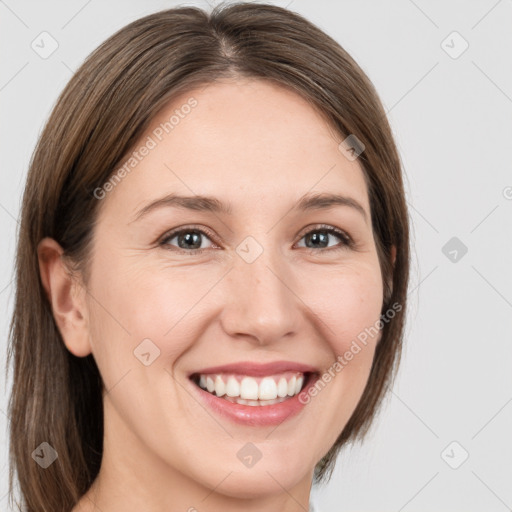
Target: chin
253	483
264	477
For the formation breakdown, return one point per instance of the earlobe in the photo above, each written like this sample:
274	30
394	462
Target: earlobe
388	287
393	261
66	296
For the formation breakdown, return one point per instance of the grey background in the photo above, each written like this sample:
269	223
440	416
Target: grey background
452	119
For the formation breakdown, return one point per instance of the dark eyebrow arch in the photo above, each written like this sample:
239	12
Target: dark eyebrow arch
197	203
325	200
307	202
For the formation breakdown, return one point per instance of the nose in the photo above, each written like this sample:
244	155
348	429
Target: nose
261	305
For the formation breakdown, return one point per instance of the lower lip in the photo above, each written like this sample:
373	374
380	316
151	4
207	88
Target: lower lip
257	415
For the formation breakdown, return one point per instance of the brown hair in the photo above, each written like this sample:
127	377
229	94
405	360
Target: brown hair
99	116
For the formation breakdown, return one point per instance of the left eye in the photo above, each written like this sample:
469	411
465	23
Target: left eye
321	235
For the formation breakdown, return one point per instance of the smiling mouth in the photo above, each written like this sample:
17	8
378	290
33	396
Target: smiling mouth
250	390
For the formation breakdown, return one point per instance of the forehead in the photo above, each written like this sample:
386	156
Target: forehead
244	141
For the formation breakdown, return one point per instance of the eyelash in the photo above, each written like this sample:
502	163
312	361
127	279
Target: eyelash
347	241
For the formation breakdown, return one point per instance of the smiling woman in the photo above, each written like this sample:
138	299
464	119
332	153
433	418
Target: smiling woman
210	329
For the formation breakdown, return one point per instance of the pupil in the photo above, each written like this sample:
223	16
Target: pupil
189	238
315	237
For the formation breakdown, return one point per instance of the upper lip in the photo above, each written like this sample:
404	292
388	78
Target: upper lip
258	369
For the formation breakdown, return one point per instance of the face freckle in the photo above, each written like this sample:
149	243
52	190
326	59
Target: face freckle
260	290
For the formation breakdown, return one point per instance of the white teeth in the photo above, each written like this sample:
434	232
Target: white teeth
251	390
241	401
291	386
282	388
298	385
267	389
232	387
220	387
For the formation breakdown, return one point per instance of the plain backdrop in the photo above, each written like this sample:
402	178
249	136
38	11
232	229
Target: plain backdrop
444	73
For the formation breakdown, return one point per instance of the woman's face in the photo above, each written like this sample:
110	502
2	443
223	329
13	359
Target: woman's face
269	285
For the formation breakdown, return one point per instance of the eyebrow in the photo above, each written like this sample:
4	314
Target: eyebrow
307	202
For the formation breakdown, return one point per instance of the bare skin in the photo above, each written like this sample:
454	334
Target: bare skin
261	148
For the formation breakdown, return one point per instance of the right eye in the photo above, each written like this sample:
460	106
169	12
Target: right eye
189	240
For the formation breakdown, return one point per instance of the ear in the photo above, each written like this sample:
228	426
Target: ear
66	296
393	260
393	254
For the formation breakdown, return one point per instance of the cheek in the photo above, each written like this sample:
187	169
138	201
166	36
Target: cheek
135	304
349	302
140	300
